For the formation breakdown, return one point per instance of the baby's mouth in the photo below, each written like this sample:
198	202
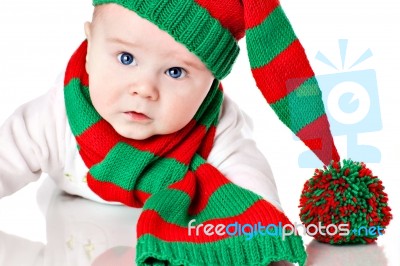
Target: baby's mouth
135	116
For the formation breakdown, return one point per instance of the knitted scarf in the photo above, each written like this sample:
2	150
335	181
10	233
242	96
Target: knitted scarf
188	205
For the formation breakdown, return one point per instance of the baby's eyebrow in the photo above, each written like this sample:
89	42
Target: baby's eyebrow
187	60
193	64
119	41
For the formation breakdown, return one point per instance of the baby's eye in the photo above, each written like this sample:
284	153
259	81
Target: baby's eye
126	58
176	72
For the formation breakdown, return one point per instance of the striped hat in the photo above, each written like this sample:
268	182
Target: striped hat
211	29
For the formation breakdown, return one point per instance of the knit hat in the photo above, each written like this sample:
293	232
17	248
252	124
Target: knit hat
345	192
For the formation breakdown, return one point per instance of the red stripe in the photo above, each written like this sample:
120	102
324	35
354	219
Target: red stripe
261	211
229	14
208	180
187	184
256	11
74	67
284	73
93	150
175	145
111	192
220	87
208	142
200	185
317	136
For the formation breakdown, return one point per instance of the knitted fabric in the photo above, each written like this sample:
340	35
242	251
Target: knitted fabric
169	177
210	29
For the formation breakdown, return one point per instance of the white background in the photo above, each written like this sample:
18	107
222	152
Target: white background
38	37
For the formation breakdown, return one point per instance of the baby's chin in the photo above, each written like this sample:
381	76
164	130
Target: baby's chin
133	134
136	135
142	132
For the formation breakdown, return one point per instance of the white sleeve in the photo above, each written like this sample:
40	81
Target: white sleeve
32	141
236	155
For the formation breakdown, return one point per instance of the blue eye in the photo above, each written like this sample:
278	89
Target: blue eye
126	58
176	72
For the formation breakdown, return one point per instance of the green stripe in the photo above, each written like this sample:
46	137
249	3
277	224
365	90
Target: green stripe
209	110
300	107
239	201
269	39
191	25
197	160
164	203
260	250
147	172
162	173
80	112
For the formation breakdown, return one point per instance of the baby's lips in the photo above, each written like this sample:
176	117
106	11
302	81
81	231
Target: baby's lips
137	116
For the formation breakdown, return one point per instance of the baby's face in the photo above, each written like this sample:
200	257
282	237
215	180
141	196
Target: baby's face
141	80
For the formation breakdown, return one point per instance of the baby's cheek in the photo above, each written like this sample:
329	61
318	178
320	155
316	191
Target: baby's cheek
102	97
187	115
175	122
99	102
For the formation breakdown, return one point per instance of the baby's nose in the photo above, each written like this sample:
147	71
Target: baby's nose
145	88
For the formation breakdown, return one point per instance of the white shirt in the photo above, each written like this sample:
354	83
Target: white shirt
37	139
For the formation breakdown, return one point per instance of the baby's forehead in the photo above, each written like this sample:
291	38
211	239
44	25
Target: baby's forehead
121	26
97	14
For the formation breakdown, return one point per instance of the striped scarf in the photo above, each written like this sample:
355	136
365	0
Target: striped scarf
187	203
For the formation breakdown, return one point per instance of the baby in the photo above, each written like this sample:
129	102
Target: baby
141	120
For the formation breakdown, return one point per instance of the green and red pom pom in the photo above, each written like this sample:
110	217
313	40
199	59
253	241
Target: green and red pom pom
348	196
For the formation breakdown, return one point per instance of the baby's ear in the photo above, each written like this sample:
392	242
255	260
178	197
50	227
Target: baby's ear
87	28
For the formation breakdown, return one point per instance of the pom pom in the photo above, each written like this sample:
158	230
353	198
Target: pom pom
349	197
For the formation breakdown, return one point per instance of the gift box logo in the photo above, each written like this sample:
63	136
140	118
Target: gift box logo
352	105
